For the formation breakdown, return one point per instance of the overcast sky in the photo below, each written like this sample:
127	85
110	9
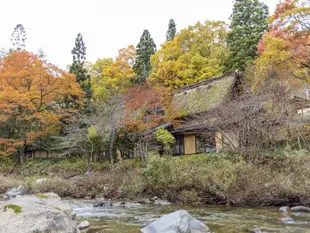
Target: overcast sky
107	26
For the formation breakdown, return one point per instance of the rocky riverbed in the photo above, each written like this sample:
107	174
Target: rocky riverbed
129	217
106	216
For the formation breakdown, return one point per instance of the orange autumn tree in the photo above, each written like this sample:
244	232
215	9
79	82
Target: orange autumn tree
34	98
285	50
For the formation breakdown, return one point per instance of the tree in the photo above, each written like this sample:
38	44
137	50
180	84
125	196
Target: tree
84	135
41	55
110	81
145	49
164	137
145	108
196	53
3	53
113	77
81	74
77	68
248	24
284	51
18	38
79	50
172	30
34	99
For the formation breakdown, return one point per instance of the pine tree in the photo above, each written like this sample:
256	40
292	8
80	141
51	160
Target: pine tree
172	30
18	38
79	50
145	49
77	68
248	24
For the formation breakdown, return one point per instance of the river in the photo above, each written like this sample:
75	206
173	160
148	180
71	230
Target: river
131	217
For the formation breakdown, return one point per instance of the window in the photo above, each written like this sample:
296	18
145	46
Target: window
179	145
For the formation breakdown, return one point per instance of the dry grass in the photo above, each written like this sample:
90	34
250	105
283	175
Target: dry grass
279	180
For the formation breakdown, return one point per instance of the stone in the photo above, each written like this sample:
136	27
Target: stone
177	222
83	225
99	204
45	214
54	200
14	192
161	202
144	201
301	209
41	180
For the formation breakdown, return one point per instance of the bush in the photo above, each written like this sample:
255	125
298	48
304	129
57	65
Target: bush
221	178
279	177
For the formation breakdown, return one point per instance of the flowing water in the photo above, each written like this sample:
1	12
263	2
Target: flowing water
131	217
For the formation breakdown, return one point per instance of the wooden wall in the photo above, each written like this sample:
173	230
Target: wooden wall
189	144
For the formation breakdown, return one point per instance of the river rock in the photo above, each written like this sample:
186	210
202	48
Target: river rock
301	209
83	225
54	200
177	222
99	204
36	214
14	192
161	202
41	180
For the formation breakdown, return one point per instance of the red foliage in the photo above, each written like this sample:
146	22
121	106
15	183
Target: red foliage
147	107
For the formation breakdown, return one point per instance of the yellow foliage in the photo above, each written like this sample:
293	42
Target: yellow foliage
113	76
196	53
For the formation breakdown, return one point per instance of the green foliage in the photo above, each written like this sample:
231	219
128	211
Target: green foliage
212	178
196	53
175	173
79	50
164	136
172	30
17	209
248	24
82	76
77	68
145	49
92	133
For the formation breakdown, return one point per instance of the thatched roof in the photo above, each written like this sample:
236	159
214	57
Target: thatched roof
203	96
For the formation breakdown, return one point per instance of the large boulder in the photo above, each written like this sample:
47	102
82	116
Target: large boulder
176	222
54	200
36	214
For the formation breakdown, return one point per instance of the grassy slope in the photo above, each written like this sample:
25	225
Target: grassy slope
221	178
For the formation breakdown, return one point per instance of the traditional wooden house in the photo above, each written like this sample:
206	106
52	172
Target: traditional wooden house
194	100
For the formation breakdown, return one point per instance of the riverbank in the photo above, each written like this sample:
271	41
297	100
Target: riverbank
272	179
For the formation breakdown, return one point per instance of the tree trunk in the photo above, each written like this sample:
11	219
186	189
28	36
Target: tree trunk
111	146
22	155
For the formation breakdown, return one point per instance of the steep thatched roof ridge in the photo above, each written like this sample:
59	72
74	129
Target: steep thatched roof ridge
203	96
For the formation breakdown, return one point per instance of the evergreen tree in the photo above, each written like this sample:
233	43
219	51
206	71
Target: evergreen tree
77	67
172	30
145	49
79	50
248	24
18	38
